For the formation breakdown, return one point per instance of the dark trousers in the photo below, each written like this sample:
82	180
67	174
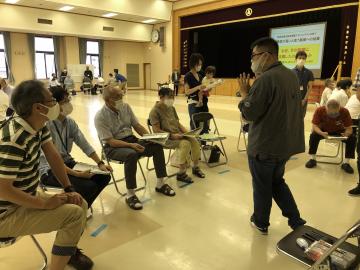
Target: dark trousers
269	183
176	88
305	109
130	158
89	189
350	144
192	110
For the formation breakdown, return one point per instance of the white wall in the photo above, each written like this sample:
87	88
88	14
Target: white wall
160	58
189	3
24	19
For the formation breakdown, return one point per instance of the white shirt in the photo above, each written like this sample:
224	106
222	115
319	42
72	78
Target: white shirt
340	96
4	104
325	96
353	107
53	83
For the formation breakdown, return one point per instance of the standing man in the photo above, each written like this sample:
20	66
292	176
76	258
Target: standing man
119	78
7	89
23	211
273	106
306	78
88	73
175	78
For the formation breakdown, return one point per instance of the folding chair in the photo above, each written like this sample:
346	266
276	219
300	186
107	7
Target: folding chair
200	119
8	241
100	86
87	86
114	180
243	131
169	156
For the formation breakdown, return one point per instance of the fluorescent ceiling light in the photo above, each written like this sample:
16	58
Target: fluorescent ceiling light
11	1
149	21
108	15
66	8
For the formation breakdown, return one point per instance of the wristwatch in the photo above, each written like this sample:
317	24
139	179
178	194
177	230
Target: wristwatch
69	189
100	163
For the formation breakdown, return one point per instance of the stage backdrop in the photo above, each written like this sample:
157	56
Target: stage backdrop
227	46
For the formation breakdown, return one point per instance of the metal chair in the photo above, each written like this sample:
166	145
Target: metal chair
199	119
339	156
8	241
114	180
169	155
243	130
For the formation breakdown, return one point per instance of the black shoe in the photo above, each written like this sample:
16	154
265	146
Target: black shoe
134	203
347	168
80	261
262	230
355	191
311	164
197	172
298	224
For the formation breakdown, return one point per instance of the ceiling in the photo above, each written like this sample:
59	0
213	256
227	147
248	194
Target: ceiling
91	11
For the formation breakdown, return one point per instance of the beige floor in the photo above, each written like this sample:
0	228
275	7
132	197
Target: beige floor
206	226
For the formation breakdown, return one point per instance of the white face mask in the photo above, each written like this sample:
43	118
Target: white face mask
258	66
119	104
169	102
53	112
300	62
66	109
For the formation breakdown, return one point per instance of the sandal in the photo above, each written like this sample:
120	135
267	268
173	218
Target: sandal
134	203
166	190
183	177
197	172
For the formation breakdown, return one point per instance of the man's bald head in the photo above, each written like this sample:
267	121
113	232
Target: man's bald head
112	92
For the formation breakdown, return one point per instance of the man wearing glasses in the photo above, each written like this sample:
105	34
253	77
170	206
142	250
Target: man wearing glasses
65	132
22	210
273	106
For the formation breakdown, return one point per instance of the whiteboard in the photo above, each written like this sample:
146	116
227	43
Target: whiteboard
76	71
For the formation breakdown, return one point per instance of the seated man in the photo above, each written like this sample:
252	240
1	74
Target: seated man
114	123
23	211
335	121
69	83
326	94
340	93
163	118
64	132
53	81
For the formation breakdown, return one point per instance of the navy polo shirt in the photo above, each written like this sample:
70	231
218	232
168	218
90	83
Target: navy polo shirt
305	76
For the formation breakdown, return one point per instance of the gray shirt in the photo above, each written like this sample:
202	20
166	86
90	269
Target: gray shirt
274	108
64	134
117	125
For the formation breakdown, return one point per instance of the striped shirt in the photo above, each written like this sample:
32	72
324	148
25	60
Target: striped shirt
19	158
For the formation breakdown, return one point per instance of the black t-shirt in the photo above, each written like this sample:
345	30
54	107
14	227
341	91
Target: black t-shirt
193	82
89	74
305	76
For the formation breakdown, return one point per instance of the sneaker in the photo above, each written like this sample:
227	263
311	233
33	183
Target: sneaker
347	168
262	230
311	164
355	191
80	261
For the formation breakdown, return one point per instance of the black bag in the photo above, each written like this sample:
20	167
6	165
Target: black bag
215	154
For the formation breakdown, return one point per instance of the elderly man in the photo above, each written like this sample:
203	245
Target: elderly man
163	118
333	120
7	89
22	210
114	123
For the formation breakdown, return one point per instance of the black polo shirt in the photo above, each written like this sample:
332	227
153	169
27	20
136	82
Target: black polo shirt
305	76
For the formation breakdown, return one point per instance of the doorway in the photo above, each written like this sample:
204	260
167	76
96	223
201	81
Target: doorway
147	76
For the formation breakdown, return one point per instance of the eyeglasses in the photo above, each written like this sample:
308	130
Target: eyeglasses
256	54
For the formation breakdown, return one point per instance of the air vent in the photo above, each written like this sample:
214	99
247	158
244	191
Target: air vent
44	21
108	28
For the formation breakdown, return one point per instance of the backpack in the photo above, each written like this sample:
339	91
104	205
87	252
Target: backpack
215	154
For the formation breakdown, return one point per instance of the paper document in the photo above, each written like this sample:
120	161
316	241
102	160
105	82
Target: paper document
82	167
193	133
338	138
214	84
211	136
159	138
